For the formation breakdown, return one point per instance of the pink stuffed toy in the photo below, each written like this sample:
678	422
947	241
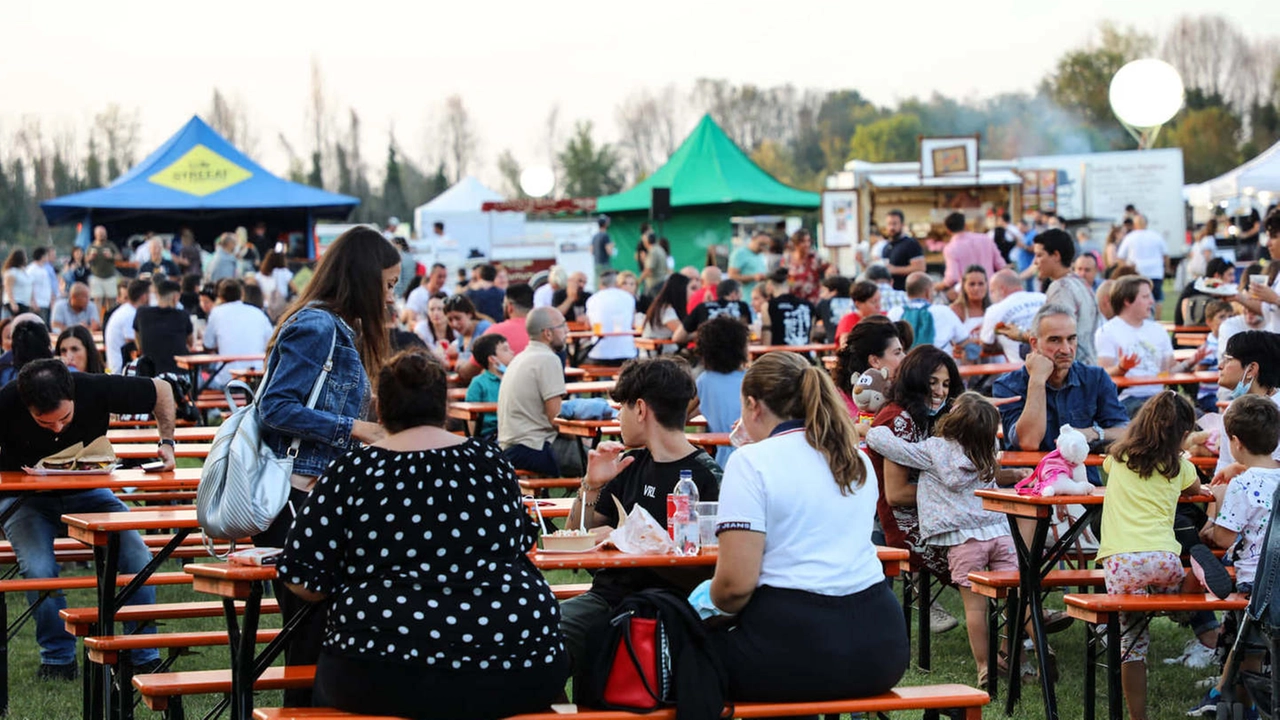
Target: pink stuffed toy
1061	472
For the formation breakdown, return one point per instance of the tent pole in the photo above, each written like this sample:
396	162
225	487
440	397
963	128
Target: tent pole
309	238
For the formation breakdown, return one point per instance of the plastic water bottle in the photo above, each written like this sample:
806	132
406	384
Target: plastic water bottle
685	518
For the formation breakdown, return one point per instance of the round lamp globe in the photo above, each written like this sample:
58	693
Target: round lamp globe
1146	93
537	181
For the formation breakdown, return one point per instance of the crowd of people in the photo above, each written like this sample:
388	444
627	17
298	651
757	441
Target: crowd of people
415	537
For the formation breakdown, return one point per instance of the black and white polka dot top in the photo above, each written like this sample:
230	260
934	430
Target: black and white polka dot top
423	555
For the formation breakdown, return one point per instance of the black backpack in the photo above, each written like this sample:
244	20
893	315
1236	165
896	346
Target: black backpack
690	674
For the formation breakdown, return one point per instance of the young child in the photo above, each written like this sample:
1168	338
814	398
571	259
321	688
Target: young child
1252	426
491	352
722	342
959	459
1146	474
1215	311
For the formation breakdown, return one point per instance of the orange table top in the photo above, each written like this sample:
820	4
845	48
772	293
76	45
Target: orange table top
1124	381
471	410
152	435
708	439
147	451
1030	458
180	479
1009	502
989	369
757	350
187	361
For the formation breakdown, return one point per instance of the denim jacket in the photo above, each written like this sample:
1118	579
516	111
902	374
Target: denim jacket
294	365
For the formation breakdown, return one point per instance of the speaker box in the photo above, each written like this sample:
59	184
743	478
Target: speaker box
660	203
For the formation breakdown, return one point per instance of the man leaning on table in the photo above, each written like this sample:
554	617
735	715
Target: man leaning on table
654	395
47	409
1056	390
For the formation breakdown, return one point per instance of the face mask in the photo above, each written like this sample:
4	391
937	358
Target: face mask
933	412
502	369
1241	388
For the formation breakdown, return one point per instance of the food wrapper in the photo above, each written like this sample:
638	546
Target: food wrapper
639	533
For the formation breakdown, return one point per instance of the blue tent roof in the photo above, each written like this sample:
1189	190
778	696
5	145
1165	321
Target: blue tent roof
196	173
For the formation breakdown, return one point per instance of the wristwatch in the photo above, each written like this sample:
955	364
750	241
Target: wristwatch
1098	429
168	441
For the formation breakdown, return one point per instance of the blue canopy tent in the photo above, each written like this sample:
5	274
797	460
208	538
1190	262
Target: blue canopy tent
198	180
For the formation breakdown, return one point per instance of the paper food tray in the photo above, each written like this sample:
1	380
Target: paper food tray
47	472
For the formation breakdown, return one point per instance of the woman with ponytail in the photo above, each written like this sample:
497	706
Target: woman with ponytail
814	619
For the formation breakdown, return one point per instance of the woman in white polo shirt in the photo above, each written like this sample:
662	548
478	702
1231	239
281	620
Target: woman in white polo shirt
815	619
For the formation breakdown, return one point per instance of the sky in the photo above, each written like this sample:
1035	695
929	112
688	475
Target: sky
63	61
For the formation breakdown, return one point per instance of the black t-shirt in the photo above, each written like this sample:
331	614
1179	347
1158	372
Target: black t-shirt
790	320
163	333
577	311
715	308
648	483
830	311
165	266
23	442
600	248
899	252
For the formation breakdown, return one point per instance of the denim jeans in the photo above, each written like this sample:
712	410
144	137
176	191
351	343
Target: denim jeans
32	528
541	461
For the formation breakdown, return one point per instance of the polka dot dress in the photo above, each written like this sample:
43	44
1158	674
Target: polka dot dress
423	556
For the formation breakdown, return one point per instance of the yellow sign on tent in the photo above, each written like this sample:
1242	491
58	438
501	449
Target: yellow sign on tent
200	172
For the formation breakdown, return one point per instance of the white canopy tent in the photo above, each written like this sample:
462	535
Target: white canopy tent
471	229
1252	179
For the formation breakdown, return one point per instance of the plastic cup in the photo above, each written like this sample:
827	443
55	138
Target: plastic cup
707	530
1257	280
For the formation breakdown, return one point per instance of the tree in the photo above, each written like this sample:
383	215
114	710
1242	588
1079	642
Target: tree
891	139
647	123
120	130
773	158
459	135
92	165
588	171
393	198
509	169
1081	79
230	118
1209	139
1213	56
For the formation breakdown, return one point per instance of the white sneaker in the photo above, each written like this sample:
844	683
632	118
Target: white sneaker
940	620
1194	655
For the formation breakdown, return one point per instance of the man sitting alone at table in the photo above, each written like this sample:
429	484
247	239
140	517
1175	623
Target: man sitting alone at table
47	410
1133	345
529	400
1052	389
654	396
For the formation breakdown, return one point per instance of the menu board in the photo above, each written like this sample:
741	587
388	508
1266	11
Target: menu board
1039	190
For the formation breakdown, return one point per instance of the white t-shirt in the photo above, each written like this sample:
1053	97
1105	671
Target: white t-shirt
1271	313
1246	509
41	285
816	539
948	328
612	309
119	331
542	296
1146	250
1151	343
278	281
1225	457
1018	310
417	301
237	329
1233	325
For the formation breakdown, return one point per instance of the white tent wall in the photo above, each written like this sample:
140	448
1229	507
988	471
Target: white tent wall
1253	178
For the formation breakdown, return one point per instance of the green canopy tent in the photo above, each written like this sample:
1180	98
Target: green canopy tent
711	180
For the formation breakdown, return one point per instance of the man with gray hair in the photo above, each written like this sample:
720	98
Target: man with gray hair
1053	389
1009	317
613	311
530	396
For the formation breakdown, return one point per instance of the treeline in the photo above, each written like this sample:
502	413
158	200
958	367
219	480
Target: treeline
798	135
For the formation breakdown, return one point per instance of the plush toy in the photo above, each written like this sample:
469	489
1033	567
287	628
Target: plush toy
870	393
1061	472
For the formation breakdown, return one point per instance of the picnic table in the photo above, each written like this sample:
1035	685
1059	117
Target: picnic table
1035	562
756	351
1184	378
152	435
967	371
214	362
127	451
1031	458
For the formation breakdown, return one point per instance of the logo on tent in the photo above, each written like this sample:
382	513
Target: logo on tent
200	172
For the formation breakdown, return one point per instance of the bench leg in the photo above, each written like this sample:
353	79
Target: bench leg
993	646
924	657
1115	699
1090	671
908	599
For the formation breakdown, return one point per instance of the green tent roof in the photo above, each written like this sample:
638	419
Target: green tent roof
709	169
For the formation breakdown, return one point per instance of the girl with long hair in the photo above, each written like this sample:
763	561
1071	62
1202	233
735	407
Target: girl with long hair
343	308
960	458
1146	474
928	382
276	282
805	554
970	307
467	326
872	345
668	310
77	350
434	329
19	290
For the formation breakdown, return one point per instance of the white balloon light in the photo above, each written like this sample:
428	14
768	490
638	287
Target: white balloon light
1146	93
537	181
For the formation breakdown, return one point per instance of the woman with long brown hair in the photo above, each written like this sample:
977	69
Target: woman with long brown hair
342	316
795	521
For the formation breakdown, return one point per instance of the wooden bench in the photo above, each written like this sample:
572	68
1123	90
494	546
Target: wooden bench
569	590
80	621
1104	609
538	484
158	689
920	697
